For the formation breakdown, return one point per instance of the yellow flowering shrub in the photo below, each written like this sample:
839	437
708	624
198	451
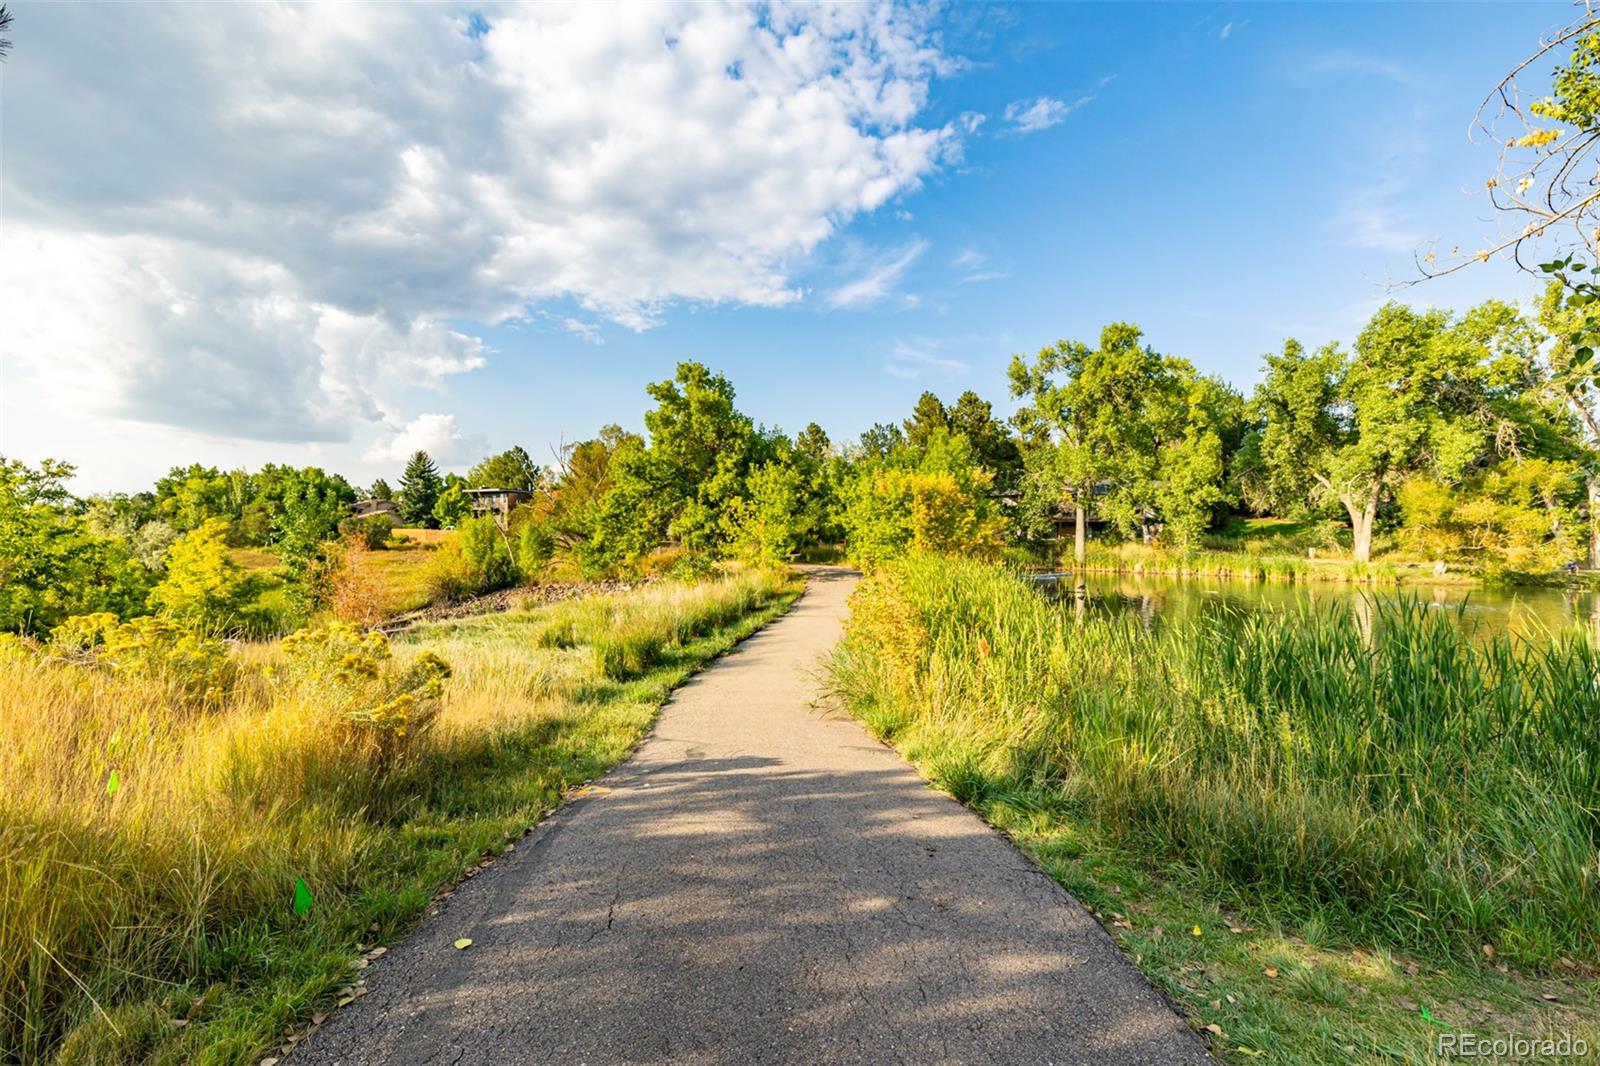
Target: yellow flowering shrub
193	668
352	676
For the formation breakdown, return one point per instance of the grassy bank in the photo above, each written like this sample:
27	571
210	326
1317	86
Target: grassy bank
1257	566
1306	833
1276	550
158	802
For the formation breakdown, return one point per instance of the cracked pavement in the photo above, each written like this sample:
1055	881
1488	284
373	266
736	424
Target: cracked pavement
762	883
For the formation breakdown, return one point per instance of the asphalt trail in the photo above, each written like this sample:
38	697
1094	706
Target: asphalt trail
762	883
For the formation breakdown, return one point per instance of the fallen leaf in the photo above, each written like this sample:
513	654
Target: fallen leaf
319	1017
1197	931
1231	999
1252	1052
1489	952
1547	996
346	1001
464	943
1408	1005
1214	1029
1271	971
1235	929
270	1062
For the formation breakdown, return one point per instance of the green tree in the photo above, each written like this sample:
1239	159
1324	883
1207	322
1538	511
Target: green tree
205	591
380	490
511	469
1422	393
420	486
1070	421
996	448
767	523
929	415
51	564
452	506
189	496
309	507
939	501
677	487
882	440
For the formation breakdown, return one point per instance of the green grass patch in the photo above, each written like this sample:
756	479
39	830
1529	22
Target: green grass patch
1389	815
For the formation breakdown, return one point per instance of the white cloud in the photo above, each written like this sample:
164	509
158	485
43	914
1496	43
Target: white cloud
436	434
880	278
585	330
1031	116
155	330
261	221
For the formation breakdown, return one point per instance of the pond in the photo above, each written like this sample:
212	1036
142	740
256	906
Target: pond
1520	612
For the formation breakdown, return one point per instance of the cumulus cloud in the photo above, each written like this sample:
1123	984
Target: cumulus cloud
436	434
265	220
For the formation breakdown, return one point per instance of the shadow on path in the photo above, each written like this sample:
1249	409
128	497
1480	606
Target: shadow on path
761	884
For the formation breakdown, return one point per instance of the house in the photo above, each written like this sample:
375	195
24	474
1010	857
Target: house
368	508
497	502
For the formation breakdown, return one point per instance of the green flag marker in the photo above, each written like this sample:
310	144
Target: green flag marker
1427	1016
113	783
302	896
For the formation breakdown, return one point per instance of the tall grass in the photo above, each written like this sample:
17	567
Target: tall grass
149	845
1379	769
627	635
1251	565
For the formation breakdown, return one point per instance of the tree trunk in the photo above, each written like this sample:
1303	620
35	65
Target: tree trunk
1362	513
1592	479
1079	535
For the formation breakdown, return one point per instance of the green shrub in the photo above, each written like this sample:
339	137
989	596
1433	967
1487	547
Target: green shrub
536	543
476	560
205	590
374	532
487	553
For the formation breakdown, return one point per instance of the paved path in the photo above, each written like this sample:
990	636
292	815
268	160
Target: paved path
764	883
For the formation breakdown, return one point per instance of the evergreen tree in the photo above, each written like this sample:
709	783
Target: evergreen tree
419	491
929	414
381	491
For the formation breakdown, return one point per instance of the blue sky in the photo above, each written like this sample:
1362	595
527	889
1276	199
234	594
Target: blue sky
1225	175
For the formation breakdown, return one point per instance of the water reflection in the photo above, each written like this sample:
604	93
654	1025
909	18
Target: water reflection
1525	613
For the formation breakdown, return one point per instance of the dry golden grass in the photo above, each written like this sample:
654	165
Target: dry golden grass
150	844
